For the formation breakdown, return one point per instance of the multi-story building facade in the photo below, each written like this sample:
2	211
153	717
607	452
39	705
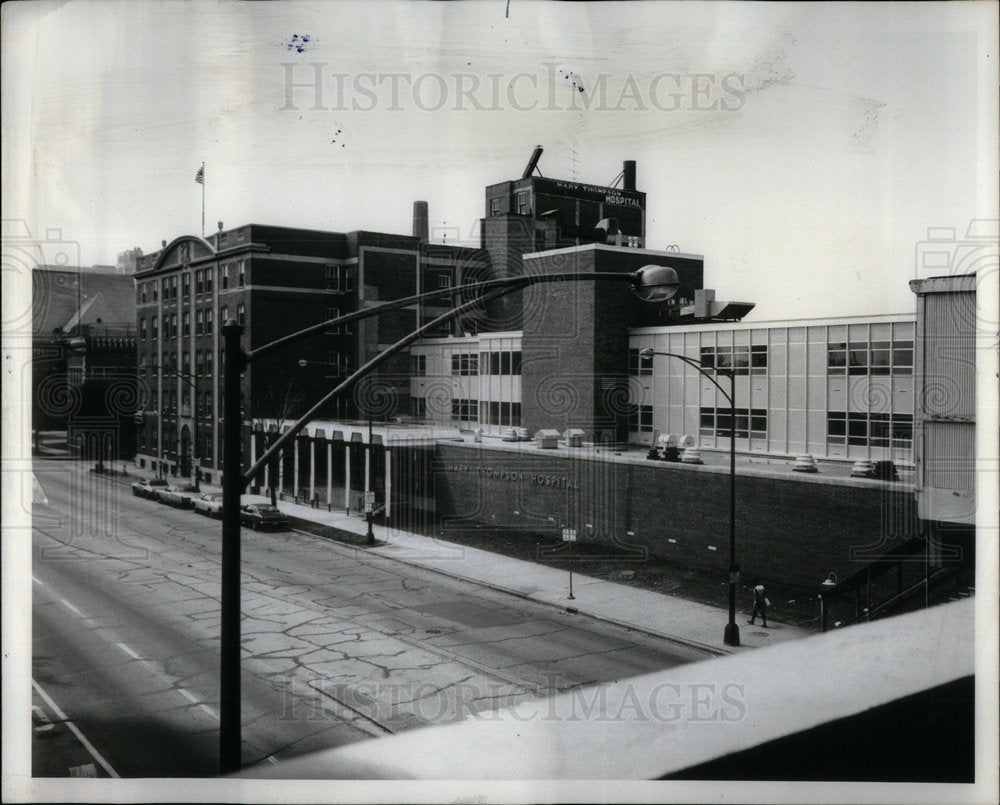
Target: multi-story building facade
840	389
273	281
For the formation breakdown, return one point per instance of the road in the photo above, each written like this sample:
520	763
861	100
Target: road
339	645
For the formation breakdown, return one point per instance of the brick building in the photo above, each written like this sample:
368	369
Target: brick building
273	281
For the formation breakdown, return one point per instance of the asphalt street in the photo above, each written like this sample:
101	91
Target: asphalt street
339	645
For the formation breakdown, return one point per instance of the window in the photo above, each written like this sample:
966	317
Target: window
738	360
748	422
223	277
331	314
142	364
208	280
155	327
465	410
418	365
515	363
186	287
869	429
186	362
165	288
186	323
208	321
242	268
208	361
155	292
173	287
224	314
902	357
875	358
444	280
640	418
464	364
418	407
199	281
241	313
494	206
857	358
142	328
173	326
639	365
199	363
199	322
523	208
142	291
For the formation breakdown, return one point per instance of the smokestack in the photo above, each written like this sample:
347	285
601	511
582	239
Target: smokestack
628	174
420	221
532	163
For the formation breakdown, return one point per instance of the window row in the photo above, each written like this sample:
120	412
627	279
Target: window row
506	362
505	414
869	429
740	360
749	422
339	278
233	274
870	358
172	326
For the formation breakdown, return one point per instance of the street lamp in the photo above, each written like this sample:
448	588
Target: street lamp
652	283
732	633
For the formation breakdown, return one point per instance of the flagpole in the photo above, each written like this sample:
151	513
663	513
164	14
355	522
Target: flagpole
203	200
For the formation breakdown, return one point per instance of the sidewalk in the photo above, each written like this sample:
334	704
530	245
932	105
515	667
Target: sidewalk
676	619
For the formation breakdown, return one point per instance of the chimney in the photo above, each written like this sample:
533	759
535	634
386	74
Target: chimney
628	174
420	223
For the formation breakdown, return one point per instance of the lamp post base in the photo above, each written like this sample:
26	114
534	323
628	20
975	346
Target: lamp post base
732	636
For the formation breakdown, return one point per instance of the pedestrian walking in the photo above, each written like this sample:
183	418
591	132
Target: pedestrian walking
760	604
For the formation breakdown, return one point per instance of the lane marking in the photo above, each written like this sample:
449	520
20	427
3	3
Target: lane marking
75	730
188	695
210	711
86	770
272	760
129	651
69	606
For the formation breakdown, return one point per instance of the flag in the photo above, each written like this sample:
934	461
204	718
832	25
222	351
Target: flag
199	177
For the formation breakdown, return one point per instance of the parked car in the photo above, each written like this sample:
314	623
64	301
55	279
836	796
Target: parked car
262	516
173	496
209	504
148	487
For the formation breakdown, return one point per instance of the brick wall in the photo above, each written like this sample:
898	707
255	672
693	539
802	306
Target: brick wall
794	529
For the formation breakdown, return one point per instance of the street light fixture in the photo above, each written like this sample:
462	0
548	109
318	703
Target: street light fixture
651	283
731	636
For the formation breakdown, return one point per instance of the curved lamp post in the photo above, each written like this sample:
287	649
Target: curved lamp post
651	283
731	636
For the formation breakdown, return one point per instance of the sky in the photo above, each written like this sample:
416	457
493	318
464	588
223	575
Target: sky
804	149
